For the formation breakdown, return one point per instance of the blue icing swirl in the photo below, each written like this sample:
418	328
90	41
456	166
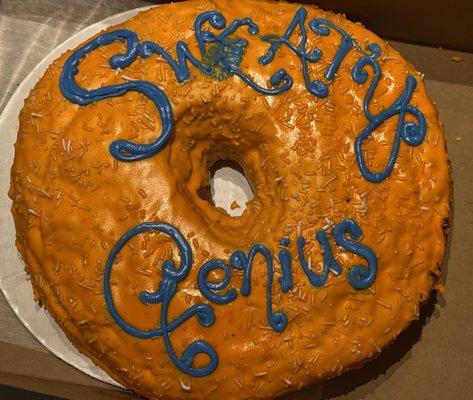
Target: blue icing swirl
122	150
329	261
317	88
285	258
359	276
411	133
242	261
209	288
164	294
220	60
322	27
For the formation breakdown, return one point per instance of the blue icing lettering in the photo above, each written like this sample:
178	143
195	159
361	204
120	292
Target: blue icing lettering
360	277
217	21
224	58
180	67
221	293
285	259
242	261
329	263
122	150
171	276
321	26
317	88
221	57
225	55
411	133
208	288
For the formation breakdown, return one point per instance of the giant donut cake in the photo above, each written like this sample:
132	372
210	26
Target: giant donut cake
174	298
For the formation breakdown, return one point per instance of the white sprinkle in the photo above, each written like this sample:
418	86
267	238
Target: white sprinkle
385	58
67	146
375	346
127	78
288	382
44	193
423	208
184	386
37	115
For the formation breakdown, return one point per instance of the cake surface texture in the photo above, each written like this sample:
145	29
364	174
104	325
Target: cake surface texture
171	296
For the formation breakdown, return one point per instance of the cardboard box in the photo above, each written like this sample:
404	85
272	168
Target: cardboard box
427	22
433	359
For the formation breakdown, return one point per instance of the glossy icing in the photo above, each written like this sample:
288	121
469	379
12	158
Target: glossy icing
332	257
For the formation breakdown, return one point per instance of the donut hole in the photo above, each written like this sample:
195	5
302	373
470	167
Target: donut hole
229	188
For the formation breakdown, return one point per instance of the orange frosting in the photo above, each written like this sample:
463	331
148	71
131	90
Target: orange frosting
72	201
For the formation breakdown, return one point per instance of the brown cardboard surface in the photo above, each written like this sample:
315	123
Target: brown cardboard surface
42	372
433	359
431	22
